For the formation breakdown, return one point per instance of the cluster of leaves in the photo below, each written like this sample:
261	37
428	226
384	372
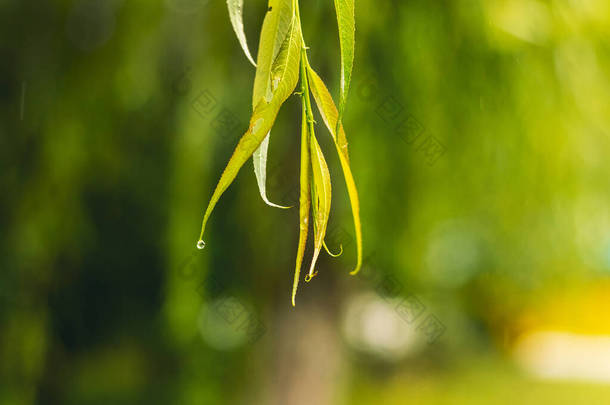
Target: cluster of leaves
282	59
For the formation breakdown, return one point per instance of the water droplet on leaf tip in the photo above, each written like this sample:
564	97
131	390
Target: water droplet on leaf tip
200	245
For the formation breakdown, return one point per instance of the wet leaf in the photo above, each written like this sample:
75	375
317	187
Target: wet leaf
286	68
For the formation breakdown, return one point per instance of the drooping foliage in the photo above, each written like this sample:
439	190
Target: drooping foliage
281	61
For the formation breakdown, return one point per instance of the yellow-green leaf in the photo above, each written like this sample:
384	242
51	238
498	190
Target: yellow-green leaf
276	25
279	72
264	114
320	198
284	73
236	15
347	33
304	203
259	158
328	110
330	115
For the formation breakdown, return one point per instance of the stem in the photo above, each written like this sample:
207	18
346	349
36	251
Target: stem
304	60
304	77
305	95
307	131
304	196
308	111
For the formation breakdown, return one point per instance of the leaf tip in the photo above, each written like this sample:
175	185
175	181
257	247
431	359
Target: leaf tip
331	253
358	266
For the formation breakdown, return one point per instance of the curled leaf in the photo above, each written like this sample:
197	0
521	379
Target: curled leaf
259	158
331	253
320	198
330	116
274	69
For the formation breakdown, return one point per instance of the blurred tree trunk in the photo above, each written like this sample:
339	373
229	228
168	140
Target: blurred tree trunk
306	364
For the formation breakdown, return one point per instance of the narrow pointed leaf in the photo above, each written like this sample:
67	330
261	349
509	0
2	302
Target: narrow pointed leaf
262	119
276	25
330	116
273	67
328	110
260	124
260	169
347	33
321	198
236	15
284	72
304	204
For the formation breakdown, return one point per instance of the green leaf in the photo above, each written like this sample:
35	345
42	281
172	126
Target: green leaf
304	203
321	198
272	61
284	72
236	15
260	170
276	26
330	116
347	34
263	117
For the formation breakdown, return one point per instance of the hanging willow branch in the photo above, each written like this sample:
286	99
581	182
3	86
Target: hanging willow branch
282	60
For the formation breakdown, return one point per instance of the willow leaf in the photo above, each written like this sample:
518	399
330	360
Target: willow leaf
321	198
304	203
328	110
330	116
262	119
276	25
280	48
236	15
260	170
284	72
346	23
260	124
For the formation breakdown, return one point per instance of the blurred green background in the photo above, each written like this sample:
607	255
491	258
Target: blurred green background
479	135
